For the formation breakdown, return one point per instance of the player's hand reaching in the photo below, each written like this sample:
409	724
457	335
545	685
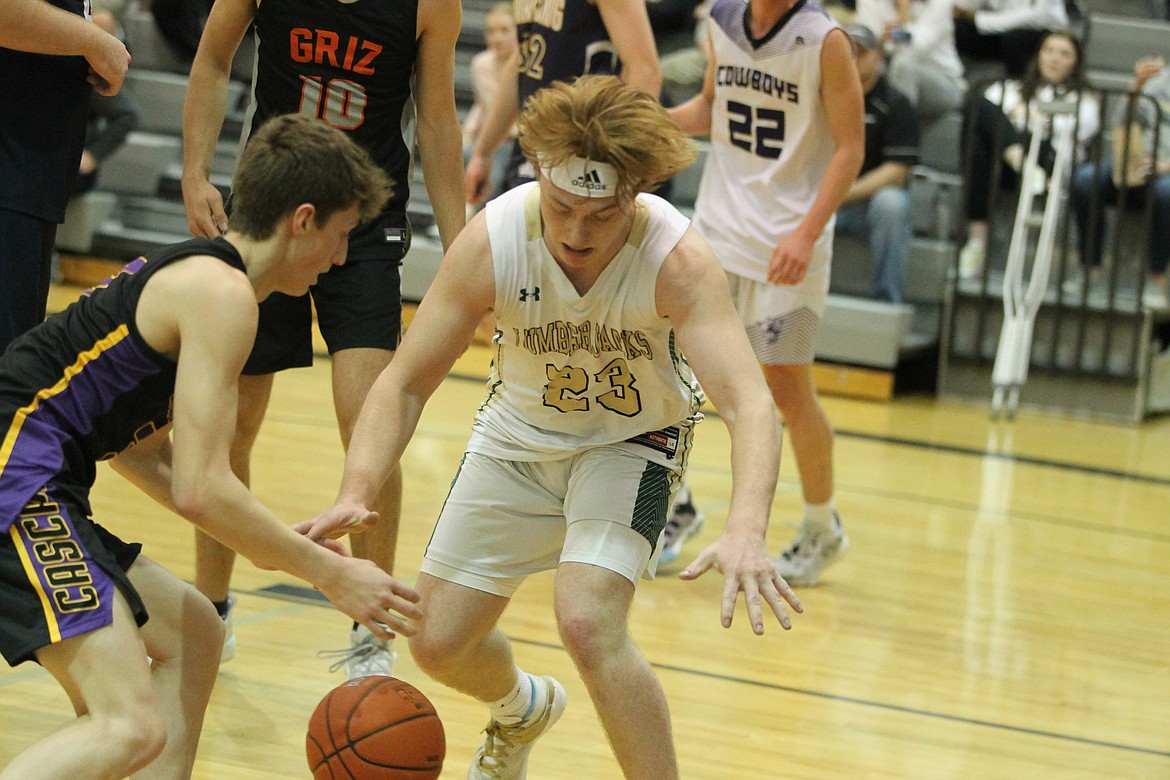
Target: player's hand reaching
746	567
370	596
336	522
475	179
790	260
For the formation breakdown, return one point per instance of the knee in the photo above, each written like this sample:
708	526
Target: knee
889	206
587	636
437	655
137	735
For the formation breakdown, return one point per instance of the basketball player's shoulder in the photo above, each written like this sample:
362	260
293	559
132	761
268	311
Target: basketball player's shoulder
812	23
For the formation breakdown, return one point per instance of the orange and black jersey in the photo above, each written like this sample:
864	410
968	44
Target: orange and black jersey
350	65
83	386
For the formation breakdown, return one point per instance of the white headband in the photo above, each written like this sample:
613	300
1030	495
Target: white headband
579	176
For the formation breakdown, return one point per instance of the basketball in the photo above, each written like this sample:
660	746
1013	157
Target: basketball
375	728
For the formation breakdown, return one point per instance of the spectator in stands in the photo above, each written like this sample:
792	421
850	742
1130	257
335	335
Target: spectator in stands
1004	118
877	206
923	62
50	55
583	37
1006	31
488	68
1149	156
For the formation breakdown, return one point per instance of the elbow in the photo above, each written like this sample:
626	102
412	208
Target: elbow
191	500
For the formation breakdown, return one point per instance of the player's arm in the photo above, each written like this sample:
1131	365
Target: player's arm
844	104
495	126
207	312
694	116
38	27
440	140
692	292
204	109
628	26
462	293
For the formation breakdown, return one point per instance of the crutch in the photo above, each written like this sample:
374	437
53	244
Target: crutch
1021	300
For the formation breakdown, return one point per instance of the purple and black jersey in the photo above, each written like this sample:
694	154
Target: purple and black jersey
84	386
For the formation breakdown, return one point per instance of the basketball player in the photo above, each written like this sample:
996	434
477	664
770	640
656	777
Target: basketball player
783	105
598	289
560	41
155	350
360	67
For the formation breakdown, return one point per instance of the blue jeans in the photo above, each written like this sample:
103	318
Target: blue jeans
883	220
1082	193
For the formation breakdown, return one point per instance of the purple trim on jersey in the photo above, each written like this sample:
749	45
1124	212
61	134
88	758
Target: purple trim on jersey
134	266
93	383
77	595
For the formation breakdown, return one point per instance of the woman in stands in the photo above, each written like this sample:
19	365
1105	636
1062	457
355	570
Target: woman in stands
1004	117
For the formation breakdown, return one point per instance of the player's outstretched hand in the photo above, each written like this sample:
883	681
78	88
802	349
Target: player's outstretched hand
336	522
370	596
746	567
476	180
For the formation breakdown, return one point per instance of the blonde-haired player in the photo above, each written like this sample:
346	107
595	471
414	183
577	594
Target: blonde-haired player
783	104
598	288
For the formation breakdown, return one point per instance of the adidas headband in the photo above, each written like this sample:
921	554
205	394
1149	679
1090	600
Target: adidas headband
579	176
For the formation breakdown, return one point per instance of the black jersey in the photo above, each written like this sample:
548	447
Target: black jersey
83	386
43	110
560	40
351	65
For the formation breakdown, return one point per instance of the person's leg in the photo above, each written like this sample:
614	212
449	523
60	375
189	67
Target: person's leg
458	644
26	252
1092	190
888	216
183	639
592	607
119	726
354	372
359	311
1160	242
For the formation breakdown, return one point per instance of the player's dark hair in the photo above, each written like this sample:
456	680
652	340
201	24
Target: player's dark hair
294	159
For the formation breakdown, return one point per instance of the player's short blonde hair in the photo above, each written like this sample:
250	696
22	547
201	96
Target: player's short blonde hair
600	118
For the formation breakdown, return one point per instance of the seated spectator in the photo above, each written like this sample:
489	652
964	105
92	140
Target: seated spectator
877	207
920	40
487	71
1005	116
111	118
1006	31
1101	183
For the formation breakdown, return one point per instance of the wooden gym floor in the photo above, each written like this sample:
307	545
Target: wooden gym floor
1003	611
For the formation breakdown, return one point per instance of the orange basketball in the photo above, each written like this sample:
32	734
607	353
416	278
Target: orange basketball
375	728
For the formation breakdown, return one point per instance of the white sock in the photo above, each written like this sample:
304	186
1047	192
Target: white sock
527	696
819	517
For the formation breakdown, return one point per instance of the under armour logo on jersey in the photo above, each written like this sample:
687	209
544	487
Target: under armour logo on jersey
524	293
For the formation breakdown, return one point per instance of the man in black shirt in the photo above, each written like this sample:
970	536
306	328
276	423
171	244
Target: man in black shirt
877	207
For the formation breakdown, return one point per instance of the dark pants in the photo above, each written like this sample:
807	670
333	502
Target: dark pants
26	256
1085	180
992	133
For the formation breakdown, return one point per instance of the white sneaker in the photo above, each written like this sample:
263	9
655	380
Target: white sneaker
366	655
971	258
685	522
504	752
229	632
810	552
